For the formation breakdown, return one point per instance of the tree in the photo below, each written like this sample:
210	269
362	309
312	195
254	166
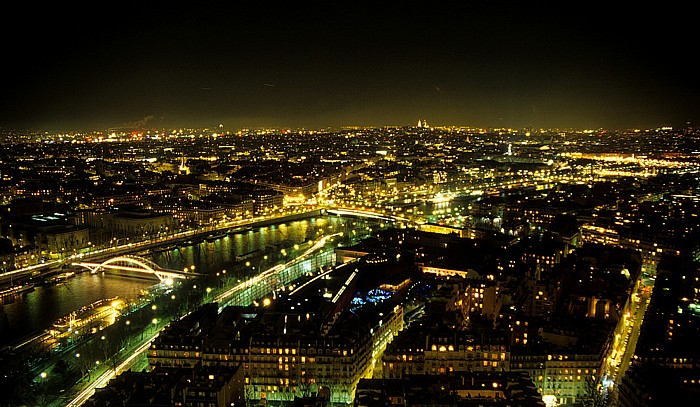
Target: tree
16	382
593	396
64	373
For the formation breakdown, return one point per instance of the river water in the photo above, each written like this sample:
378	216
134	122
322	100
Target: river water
246	251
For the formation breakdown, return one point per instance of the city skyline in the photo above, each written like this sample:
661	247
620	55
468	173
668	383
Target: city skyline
320	64
278	265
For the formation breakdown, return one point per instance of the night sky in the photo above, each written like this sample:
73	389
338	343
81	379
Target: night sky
329	64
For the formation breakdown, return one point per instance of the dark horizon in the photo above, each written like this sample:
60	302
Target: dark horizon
335	64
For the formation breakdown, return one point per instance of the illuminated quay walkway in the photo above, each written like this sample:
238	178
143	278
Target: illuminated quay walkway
278	276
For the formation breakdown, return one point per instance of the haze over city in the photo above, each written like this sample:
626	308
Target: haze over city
332	64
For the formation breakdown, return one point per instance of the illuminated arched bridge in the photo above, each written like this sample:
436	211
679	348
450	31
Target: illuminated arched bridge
136	264
366	214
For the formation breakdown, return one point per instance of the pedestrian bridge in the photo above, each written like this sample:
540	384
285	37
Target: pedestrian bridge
365	214
136	265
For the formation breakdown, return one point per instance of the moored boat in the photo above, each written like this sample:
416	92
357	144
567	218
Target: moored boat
59	278
16	290
86	315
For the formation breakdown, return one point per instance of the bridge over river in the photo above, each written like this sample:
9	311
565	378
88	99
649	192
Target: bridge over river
137	265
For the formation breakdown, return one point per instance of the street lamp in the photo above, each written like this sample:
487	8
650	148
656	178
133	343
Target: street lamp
128	331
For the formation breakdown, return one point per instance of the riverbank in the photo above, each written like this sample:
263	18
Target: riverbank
41	271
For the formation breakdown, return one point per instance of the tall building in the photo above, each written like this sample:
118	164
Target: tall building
460	389
666	366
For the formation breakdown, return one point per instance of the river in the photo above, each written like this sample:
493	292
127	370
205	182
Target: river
247	251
